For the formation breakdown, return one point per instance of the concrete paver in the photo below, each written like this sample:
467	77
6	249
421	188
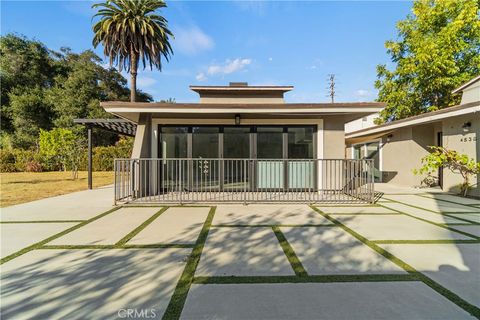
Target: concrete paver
267	214
424	214
379	300
340	209
80	205
243	252
473	229
176	225
108	229
432	204
397	227
473	217
449	197
330	250
90	284
16	236
454	266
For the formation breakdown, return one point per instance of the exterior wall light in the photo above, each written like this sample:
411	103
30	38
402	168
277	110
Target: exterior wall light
389	137
466	126
237	119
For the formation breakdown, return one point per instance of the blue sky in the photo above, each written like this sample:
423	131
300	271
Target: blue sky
263	43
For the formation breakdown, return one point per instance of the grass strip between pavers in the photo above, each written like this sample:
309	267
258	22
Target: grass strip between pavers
271	225
42	221
306	279
138	229
454	202
429	210
441	225
470	308
290	253
177	301
55	236
424	241
467	220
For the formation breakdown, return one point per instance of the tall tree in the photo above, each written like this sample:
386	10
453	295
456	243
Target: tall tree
438	48
131	31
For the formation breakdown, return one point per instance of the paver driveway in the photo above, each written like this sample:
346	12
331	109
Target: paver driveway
411	256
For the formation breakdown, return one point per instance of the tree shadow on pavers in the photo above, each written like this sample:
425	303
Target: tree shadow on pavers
85	284
333	251
243	251
253	214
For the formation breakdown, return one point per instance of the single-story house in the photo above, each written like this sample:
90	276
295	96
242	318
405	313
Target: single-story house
241	143
398	147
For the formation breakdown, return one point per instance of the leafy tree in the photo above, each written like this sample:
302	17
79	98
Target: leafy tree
30	114
23	64
452	160
62	146
130	31
438	49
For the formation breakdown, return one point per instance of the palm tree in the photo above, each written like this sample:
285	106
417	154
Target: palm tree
130	31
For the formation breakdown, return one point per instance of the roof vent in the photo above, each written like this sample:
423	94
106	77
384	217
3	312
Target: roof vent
238	84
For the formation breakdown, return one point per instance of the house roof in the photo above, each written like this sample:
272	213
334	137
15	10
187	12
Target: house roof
240	87
424	118
466	85
131	110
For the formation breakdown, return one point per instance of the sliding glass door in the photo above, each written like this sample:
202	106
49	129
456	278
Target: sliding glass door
271	146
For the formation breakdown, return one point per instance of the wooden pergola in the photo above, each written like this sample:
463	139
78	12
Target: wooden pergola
119	126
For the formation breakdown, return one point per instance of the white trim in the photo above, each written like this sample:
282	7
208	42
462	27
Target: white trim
282	109
422	120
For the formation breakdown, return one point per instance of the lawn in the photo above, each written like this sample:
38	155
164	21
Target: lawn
20	187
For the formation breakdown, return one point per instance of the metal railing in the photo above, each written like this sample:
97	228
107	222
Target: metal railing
243	180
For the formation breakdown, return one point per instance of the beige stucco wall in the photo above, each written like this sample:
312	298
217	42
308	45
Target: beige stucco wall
464	142
334	137
471	93
242	98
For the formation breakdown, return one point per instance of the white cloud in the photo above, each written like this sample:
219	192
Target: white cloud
145	81
270	59
191	40
362	93
201	77
229	66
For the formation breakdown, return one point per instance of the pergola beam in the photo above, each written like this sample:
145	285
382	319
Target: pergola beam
118	126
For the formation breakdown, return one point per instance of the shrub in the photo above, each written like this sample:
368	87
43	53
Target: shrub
33	166
452	160
7	161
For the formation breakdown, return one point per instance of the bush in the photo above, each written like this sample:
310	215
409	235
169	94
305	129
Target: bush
33	166
7	161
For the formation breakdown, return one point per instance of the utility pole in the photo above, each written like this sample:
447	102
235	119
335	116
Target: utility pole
331	87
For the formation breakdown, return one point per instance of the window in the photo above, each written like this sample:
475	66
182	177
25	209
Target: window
174	142
300	143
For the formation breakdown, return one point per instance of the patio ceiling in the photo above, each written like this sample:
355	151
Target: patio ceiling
120	126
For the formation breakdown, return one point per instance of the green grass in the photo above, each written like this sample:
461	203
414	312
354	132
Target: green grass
55	236
470	308
291	255
306	279
177	301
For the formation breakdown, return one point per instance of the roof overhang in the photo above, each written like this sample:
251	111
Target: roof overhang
351	111
424	118
120	126
466	85
241	89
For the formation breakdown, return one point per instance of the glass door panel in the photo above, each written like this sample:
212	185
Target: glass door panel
173	173
270	146
205	172
373	152
236	146
300	146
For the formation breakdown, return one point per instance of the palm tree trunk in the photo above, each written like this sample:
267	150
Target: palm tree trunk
133	76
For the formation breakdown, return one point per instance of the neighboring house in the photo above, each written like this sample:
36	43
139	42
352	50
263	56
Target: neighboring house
362	123
397	147
285	143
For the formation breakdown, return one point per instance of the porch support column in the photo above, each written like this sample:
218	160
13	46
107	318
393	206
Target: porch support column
89	135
